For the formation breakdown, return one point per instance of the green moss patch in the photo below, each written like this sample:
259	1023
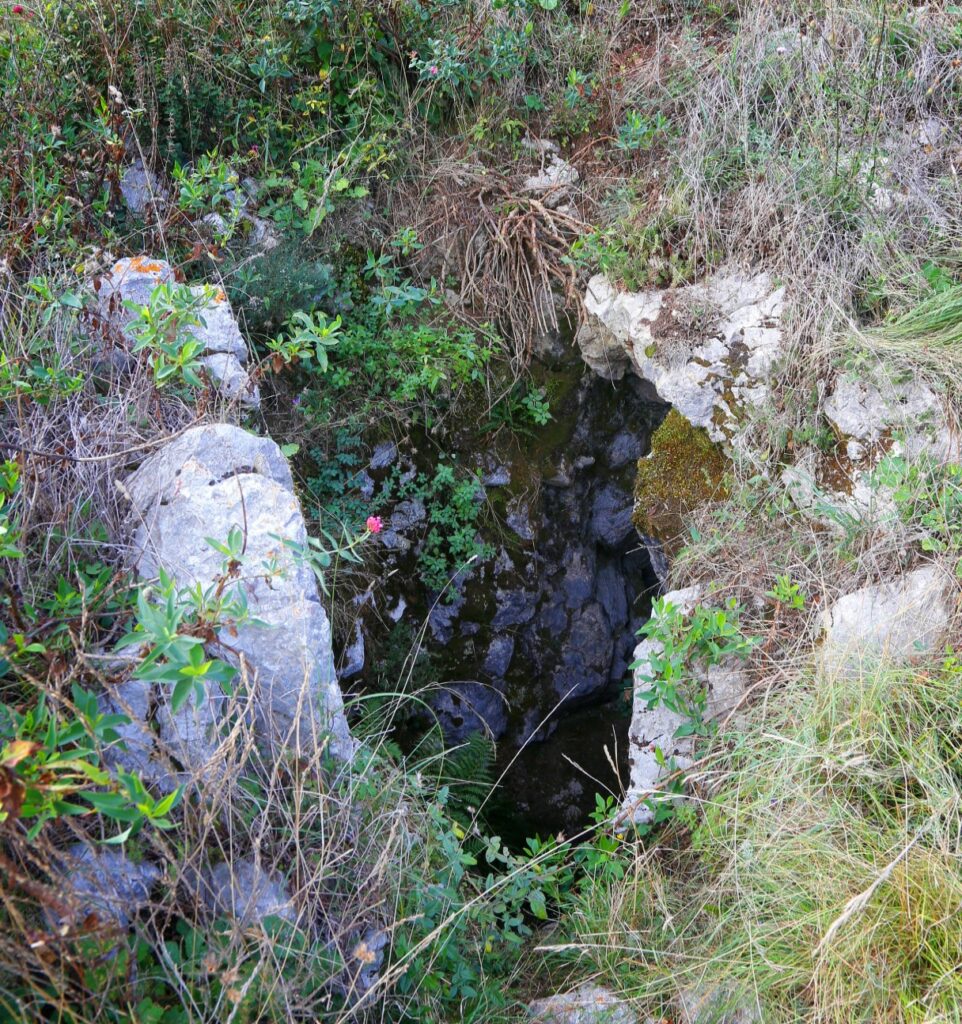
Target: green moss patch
684	470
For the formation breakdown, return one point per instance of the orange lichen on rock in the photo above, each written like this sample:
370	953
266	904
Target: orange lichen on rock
144	266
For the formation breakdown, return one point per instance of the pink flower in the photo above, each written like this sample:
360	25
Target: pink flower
433	69
374	524
17	8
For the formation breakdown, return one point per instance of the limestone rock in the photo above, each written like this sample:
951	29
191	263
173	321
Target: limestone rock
555	174
588	1004
711	1006
231	378
136	749
653	731
133	280
206	482
141	189
869	410
224	352
107	883
192	734
202	457
894	620
708	348
243	890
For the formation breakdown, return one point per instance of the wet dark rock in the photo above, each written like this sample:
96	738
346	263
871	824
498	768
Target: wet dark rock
626	447
514	608
467	706
543	629
586	656
353	659
657	557
498	659
444	616
494	472
518	518
611	516
405	515
612	595
553	615
579	578
366	484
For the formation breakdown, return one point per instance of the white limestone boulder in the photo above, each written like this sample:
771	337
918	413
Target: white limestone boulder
908	414
130	282
874	418
708	348
205	483
895	620
587	1004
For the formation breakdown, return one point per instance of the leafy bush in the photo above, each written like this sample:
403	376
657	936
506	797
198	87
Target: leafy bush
453	505
681	646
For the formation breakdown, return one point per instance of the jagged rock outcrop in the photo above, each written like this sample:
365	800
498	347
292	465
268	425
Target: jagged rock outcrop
132	281
873	417
652	743
206	482
706	348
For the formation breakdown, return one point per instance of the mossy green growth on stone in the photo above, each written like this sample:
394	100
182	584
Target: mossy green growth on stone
684	470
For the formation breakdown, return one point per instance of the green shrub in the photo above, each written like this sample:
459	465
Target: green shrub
454	505
682	647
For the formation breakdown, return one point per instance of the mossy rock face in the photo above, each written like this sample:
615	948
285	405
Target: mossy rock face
684	470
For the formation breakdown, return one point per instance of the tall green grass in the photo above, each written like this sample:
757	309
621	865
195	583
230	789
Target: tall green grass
822	880
927	339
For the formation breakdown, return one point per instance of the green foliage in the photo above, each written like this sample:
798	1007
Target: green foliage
522	408
644	251
334	481
465	772
324	553
641	133
787	593
453	504
173	624
9	533
829	843
289	278
928	496
46	761
417	368
161	328
302	199
38	372
212	186
306	340
682	645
